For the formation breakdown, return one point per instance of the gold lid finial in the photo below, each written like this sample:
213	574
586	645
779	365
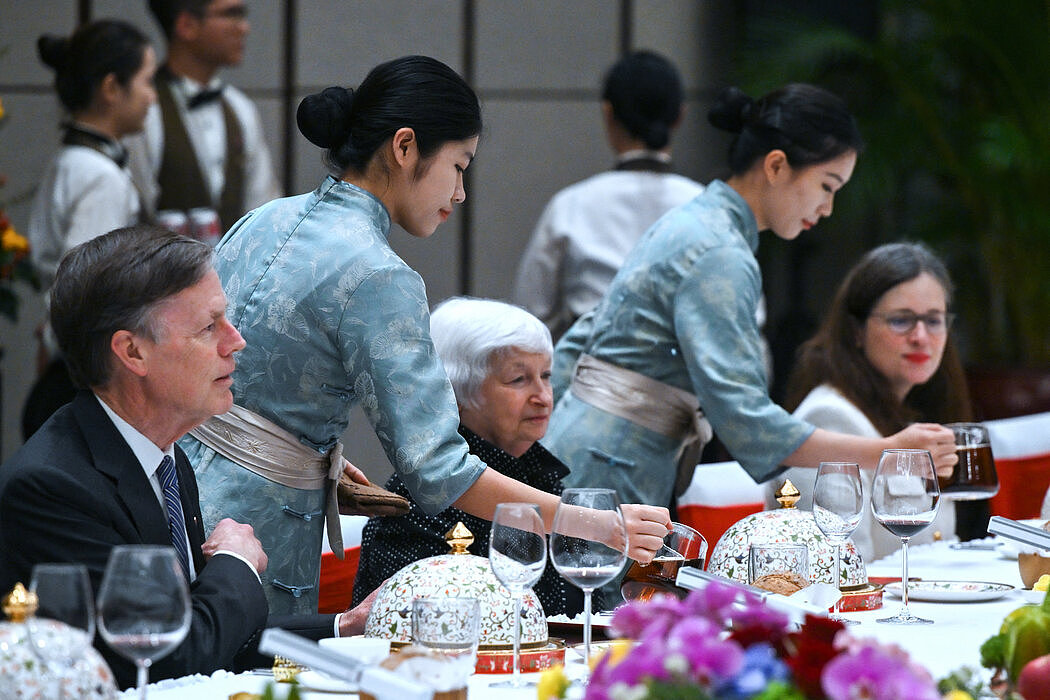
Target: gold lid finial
787	495
20	603
459	538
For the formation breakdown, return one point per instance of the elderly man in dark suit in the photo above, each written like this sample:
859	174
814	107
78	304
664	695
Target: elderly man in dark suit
141	318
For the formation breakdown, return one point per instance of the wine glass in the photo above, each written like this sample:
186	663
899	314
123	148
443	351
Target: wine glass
588	544
517	554
838	504
143	605
904	498
64	594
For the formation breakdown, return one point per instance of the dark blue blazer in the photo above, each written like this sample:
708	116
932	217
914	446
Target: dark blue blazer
75	490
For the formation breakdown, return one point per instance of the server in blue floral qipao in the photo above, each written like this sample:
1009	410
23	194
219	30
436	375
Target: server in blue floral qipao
673	351
333	318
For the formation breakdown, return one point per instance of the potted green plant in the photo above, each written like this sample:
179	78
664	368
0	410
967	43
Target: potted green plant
954	101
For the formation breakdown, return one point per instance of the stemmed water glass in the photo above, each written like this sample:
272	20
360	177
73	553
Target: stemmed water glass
143	605
64	594
838	504
904	498
588	544
517	554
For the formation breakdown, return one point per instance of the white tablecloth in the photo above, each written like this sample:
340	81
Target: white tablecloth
952	641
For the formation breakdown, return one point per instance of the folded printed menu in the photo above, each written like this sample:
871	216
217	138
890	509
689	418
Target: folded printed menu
378	682
1019	532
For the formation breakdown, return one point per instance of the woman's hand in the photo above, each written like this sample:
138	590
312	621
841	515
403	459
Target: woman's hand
646	528
940	442
355	474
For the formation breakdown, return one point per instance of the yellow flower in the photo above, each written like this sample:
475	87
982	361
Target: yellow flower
552	684
1	109
957	695
615	650
13	241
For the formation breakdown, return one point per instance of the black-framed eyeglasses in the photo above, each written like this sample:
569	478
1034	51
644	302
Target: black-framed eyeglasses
904	322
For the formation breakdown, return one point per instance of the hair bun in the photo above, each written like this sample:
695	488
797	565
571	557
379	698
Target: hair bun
324	117
731	111
53	50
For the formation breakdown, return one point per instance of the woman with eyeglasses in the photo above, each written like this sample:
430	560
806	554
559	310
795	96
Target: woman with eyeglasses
673	351
882	359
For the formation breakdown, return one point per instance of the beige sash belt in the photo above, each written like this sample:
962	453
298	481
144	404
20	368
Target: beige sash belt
270	451
647	402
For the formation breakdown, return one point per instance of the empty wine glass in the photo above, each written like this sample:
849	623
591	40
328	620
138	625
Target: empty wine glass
904	498
838	504
588	544
517	554
64	594
143	605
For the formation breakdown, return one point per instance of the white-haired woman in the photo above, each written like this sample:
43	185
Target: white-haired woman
498	358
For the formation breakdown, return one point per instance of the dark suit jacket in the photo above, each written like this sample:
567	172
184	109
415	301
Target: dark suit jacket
75	490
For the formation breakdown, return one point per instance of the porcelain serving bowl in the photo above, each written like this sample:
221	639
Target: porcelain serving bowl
459	575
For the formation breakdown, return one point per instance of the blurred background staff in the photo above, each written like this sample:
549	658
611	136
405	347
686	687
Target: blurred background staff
498	358
587	229
882	359
104	80
334	319
674	348
203	144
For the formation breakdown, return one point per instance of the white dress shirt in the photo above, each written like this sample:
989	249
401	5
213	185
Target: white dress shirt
583	236
150	456
206	128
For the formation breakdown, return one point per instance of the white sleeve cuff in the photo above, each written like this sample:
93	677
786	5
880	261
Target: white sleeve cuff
238	556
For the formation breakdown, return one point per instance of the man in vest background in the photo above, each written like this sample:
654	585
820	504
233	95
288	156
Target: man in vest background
203	144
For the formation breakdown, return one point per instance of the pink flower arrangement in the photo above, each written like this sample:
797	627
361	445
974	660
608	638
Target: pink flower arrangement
707	647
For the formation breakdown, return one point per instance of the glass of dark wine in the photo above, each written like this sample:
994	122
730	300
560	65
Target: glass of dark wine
143	605
588	544
683	546
904	499
973	477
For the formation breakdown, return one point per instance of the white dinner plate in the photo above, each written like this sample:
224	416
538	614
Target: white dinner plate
312	680
951	591
598	619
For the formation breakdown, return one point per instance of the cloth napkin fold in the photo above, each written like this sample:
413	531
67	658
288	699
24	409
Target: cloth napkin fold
369	499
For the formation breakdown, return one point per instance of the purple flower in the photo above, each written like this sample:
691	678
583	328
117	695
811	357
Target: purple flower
697	650
763	616
714	602
634	618
874	672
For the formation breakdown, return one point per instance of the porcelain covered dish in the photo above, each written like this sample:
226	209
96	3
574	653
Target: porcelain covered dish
25	674
457	574
787	524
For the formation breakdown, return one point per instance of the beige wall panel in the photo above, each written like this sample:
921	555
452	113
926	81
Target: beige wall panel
137	13
544	44
21	22
339	42
682	31
29	138
530	150
271	113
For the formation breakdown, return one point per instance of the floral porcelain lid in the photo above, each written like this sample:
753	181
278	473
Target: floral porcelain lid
23	673
458	574
786	524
